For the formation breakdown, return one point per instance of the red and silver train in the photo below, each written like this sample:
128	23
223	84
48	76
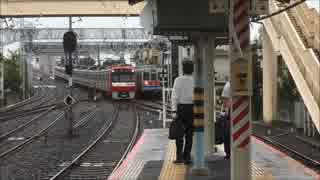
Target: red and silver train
118	82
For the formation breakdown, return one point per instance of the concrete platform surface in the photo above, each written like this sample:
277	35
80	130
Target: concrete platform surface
152	157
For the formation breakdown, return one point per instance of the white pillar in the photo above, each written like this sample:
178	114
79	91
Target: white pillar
209	92
199	167
270	80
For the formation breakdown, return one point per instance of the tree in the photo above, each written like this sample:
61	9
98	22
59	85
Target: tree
288	92
12	78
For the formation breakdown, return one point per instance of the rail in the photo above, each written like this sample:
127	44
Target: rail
105	130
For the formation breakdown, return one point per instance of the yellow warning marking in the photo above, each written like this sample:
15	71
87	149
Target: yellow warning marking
259	173
198	97
198	122
198	110
171	171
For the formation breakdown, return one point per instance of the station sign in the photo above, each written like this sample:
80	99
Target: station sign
240	77
218	6
259	7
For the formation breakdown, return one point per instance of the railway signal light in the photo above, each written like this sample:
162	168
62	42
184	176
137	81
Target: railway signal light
69	42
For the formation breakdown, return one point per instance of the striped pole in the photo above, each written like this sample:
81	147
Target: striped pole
241	108
198	114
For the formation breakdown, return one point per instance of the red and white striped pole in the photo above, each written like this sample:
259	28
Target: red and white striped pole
239	30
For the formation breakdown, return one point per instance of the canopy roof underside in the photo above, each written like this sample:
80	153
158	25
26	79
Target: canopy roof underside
36	8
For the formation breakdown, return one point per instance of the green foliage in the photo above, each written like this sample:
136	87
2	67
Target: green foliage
287	86
12	78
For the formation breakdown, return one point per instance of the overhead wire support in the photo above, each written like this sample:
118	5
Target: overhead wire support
256	20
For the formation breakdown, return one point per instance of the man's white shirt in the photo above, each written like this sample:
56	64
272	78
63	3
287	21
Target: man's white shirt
182	92
226	92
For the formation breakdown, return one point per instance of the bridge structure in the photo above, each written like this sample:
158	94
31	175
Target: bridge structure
293	37
45	44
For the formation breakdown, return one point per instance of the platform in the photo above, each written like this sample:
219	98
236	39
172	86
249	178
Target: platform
152	157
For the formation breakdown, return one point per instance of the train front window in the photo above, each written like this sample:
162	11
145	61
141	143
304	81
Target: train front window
123	77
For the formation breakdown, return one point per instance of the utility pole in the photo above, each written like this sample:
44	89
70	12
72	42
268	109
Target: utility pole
1	65
22	59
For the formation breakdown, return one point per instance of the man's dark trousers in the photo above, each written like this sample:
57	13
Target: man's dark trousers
185	114
226	139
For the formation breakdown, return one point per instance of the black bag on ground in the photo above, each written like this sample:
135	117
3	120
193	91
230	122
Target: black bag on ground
176	129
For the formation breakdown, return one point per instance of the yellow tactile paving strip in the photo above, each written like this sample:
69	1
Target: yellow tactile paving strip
171	171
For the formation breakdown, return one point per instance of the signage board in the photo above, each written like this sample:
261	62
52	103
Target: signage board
240	77
218	6
259	7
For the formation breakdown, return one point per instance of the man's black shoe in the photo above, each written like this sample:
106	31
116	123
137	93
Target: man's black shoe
178	161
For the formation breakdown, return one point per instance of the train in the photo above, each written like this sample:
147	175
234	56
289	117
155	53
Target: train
119	81
148	80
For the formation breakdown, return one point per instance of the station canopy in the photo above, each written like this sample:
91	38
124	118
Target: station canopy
36	8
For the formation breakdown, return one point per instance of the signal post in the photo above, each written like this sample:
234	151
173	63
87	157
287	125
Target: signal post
69	46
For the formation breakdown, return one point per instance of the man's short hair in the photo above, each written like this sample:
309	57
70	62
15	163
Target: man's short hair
187	67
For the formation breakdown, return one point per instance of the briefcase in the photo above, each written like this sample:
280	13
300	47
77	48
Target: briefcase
176	129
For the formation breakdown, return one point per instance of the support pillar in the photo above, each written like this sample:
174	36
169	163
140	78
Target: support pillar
270	80
199	167
241	90
209	97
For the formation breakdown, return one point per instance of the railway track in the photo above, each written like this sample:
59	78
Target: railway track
10	148
92	162
33	102
288	143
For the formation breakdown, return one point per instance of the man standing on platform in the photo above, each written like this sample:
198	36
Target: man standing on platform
182	106
226	97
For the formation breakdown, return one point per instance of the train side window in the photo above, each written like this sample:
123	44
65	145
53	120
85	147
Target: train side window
146	76
153	76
